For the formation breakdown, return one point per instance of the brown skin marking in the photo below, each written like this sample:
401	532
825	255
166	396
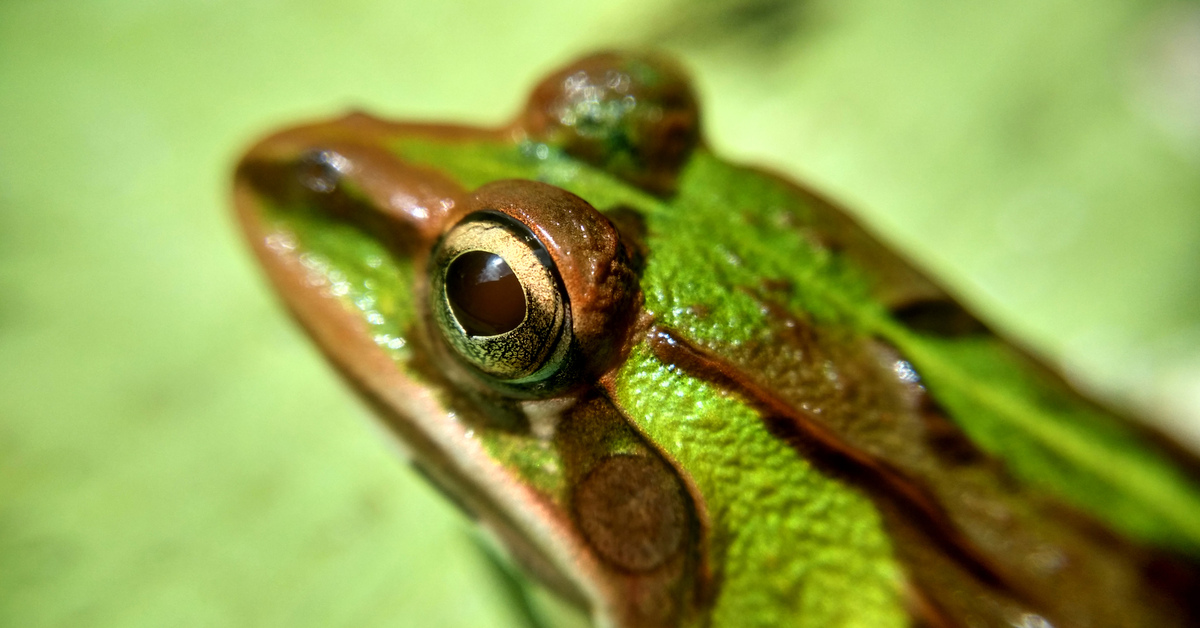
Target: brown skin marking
631	509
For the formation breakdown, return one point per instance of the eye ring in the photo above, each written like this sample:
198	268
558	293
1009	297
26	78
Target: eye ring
479	271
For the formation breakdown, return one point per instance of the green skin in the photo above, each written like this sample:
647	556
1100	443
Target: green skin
780	537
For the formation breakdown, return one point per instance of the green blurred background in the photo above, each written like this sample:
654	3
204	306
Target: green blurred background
173	452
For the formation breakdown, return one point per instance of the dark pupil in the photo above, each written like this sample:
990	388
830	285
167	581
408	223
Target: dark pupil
485	295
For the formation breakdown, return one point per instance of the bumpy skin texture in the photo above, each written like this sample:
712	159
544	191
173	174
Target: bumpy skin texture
797	426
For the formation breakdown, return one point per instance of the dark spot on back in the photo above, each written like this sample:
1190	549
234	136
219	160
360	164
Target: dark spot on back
1179	580
939	318
777	285
946	438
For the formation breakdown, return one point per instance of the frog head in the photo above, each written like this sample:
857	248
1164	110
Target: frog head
683	392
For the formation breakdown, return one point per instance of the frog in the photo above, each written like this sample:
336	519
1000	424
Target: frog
680	391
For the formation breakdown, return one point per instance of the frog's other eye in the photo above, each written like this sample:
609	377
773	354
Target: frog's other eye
634	115
497	300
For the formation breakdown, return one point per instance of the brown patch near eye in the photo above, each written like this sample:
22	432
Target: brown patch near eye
632	511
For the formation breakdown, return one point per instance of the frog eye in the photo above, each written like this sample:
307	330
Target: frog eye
497	299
